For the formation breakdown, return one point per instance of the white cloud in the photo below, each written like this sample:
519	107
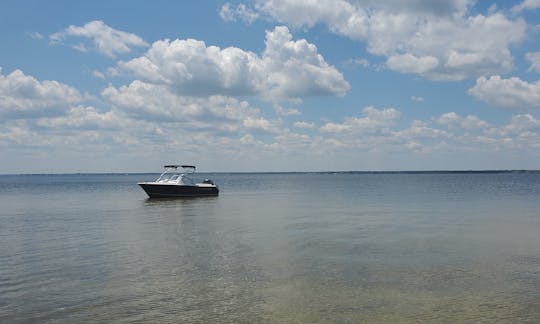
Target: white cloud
522	123
473	134
287	69
336	128
416	132
286	111
360	62
417	99
511	93
523	131
526	5
98	74
378	132
449	118
80	117
139	116
213	114
296	69
241	12
19	136
408	63
106	40
341	16
23	96
35	35
375	120
534	58
437	39
381	115
190	67
453	120
144	116
260	124
249	139
304	125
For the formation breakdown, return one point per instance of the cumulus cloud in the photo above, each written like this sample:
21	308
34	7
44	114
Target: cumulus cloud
522	123
296	69
22	95
260	124
526	5
213	114
341	16
419	130
523	131
374	120
378	131
134	116
360	62
106	40
190	67
241	12
512	93
337	127
439	40
282	111
453	120
304	125
81	117
141	115
408	63
287	69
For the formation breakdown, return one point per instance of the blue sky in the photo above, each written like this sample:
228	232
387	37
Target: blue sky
278	85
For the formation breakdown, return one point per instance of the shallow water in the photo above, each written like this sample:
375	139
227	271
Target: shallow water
313	247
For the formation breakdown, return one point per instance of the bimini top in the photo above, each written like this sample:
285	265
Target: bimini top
176	166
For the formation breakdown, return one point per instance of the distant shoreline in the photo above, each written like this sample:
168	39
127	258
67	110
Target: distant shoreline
293	172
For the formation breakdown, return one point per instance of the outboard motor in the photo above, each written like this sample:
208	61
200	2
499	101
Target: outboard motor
208	181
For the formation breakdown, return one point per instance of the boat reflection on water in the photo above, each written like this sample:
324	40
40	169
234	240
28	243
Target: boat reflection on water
177	201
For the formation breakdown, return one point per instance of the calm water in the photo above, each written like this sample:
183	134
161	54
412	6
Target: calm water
272	248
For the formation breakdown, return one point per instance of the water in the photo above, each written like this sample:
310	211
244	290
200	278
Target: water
272	248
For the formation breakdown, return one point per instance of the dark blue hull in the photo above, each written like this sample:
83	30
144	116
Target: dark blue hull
167	191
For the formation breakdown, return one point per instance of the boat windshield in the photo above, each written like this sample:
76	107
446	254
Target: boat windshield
172	174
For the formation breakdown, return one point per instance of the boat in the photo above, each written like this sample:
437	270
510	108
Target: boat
176	181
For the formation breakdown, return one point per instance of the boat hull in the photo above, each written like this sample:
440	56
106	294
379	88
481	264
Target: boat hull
167	190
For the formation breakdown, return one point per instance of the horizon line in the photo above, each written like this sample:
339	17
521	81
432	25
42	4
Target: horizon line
442	171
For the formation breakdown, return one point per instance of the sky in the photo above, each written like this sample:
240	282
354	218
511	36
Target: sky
273	85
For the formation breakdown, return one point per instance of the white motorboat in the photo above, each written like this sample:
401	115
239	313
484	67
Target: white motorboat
175	181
